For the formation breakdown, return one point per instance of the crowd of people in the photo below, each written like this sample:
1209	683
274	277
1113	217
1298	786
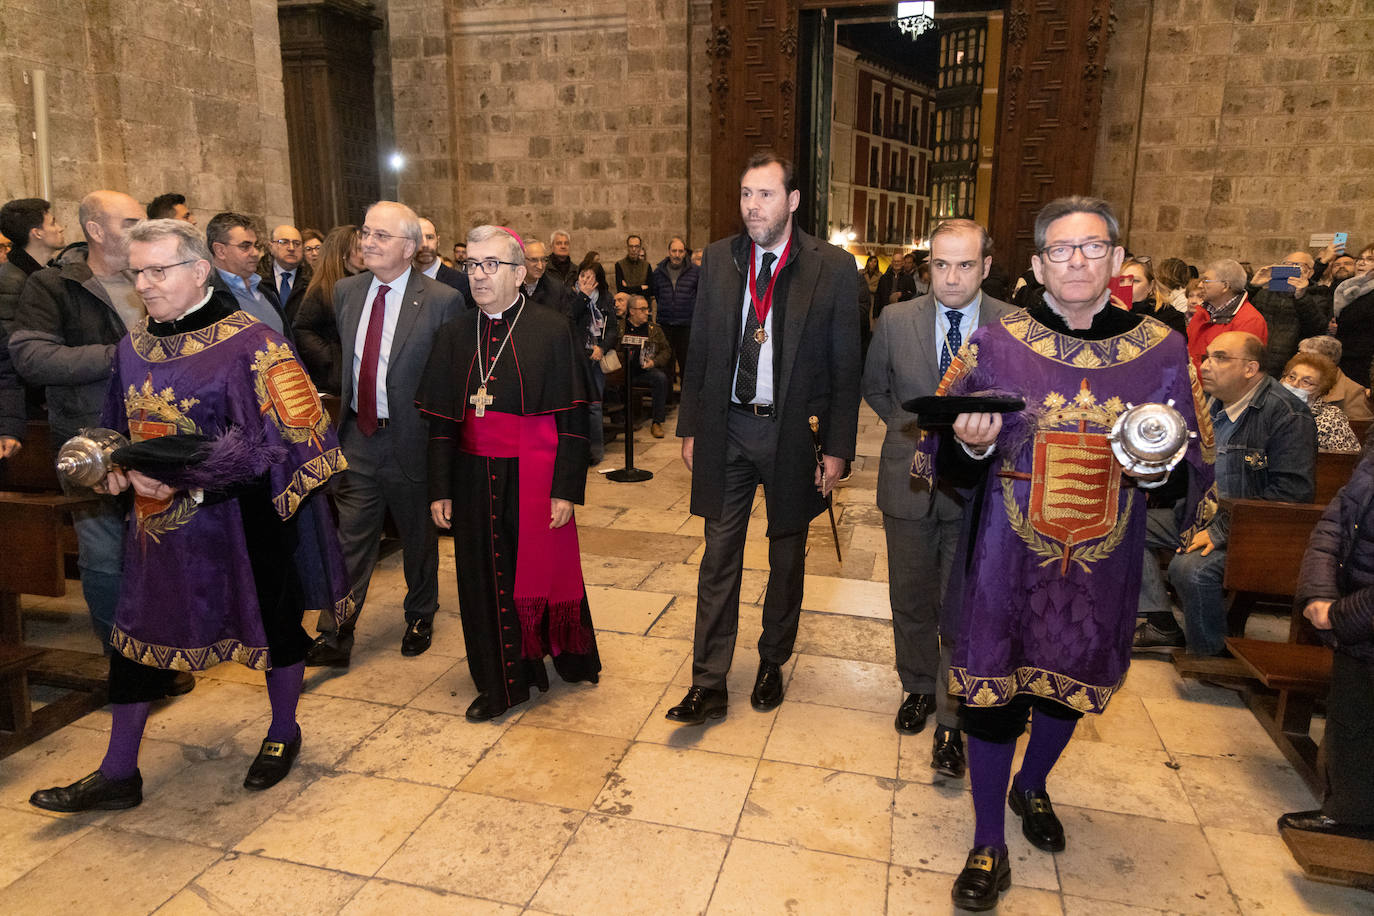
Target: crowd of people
472	383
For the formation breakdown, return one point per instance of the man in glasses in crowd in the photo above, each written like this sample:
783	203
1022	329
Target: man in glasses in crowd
234	252
284	268
388	316
1046	602
1225	307
505	394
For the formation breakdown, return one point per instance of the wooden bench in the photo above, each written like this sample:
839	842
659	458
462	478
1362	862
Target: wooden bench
34	515
1333	471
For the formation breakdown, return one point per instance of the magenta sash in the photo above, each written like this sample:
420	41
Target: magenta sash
548	565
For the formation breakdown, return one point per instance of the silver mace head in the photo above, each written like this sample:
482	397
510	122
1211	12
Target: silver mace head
84	459
1150	438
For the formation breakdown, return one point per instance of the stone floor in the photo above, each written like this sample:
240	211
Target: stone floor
586	801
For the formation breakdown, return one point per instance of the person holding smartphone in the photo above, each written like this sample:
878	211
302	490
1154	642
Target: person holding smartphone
1281	294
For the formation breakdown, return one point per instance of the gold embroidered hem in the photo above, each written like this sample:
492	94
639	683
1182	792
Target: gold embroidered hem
189	659
1085	354
164	349
309	476
998	691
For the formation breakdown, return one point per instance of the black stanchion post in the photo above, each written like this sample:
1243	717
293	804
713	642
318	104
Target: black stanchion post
629	473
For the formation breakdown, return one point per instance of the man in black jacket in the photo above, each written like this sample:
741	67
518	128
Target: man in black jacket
69	320
284	269
775	341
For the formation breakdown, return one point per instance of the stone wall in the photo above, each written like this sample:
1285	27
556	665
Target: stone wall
148	96
542	116
1239	127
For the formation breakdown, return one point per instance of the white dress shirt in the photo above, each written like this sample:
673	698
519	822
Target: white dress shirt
394	299
763	391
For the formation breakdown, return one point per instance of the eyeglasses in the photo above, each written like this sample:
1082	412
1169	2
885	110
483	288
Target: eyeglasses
246	246
382	237
530	260
489	266
1213	358
1364	260
1204	280
156	274
1093	251
311	249
287	243
1301	381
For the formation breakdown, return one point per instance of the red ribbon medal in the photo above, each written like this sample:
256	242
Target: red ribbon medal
763	306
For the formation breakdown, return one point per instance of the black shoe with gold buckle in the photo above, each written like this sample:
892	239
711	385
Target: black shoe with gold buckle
272	763
1039	823
986	874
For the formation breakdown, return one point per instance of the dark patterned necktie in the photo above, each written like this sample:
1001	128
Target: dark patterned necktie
953	340
747	378
284	291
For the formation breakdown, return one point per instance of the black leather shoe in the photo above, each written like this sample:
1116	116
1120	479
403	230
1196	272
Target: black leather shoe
272	763
329	651
91	793
912	714
767	687
947	758
485	707
419	634
183	683
986	874
700	704
1316	822
1039	823
1149	636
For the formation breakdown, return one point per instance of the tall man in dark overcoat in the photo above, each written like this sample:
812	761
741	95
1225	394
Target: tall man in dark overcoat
778	330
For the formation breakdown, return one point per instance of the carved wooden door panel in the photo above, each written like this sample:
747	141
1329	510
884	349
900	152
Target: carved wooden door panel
753	51
1050	98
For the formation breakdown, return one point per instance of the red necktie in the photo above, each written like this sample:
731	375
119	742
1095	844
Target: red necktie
367	373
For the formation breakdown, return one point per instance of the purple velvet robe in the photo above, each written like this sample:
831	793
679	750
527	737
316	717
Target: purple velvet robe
1049	600
188	599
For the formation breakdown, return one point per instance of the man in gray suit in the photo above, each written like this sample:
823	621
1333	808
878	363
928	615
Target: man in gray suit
913	345
388	316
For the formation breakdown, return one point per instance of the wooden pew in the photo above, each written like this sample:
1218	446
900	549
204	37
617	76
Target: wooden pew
34	515
1333	470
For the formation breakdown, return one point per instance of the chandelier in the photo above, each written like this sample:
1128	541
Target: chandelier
914	19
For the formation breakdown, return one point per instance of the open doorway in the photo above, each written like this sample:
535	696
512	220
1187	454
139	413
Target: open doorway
898	128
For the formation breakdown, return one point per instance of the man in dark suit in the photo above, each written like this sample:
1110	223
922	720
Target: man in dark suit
542	286
388	316
428	263
913	344
775	341
283	268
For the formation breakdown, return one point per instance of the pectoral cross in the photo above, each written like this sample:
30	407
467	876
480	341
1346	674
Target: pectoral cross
481	399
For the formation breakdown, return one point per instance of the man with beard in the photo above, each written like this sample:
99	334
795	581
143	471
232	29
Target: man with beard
777	341
1047	596
505	394
674	284
428	263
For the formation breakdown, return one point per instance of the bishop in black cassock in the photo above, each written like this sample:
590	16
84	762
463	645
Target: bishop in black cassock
506	398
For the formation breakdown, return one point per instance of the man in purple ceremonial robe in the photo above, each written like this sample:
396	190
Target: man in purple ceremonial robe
220	559
505	395
1048	588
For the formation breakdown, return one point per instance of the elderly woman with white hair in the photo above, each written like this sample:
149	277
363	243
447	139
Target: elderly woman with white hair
1225	307
1347	394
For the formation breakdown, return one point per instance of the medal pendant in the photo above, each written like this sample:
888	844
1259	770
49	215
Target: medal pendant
760	336
480	400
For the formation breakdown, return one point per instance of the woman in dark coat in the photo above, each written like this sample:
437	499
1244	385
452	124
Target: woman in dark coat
315	325
1336	593
1353	307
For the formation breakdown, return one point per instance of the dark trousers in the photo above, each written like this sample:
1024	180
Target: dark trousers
657	383
749	448
920	554
1349	743
679	337
363	499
